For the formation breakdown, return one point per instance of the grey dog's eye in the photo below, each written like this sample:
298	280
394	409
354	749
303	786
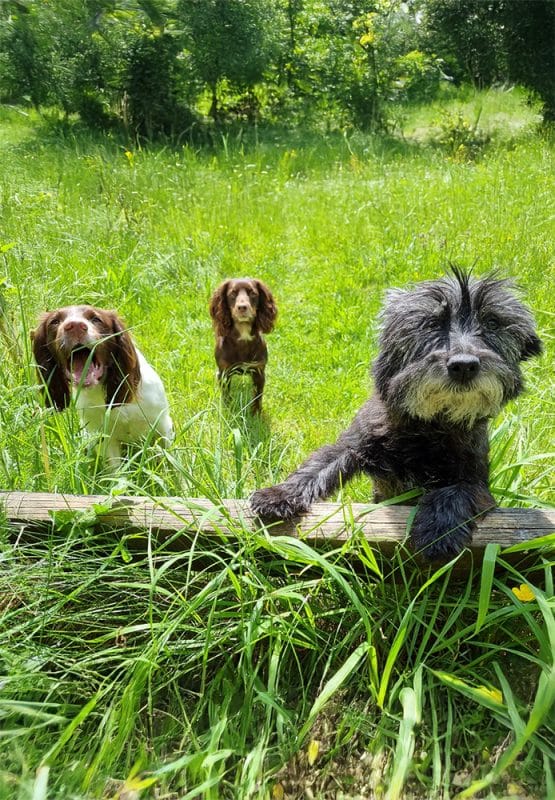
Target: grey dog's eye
438	319
491	324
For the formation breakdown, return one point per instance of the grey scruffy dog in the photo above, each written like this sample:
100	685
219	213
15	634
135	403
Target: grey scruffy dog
449	359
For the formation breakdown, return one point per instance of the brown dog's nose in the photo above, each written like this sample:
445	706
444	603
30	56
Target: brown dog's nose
75	326
462	369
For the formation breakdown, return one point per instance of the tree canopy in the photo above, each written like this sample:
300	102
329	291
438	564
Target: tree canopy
158	66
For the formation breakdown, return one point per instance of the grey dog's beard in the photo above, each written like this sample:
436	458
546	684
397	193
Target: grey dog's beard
434	397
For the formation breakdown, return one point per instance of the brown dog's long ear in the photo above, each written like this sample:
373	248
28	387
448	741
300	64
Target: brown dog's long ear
220	312
124	373
51	375
267	309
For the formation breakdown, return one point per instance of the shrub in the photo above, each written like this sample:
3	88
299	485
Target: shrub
462	140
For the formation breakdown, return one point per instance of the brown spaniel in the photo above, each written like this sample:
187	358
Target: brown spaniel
242	309
86	353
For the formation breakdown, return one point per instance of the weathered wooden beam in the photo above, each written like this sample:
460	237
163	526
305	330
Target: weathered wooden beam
383	527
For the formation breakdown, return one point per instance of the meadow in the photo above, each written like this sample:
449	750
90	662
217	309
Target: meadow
250	666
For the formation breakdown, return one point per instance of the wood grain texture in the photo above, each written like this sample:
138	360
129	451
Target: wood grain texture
383	527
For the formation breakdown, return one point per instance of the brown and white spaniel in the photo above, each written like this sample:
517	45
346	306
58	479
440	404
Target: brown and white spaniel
86	353
242	309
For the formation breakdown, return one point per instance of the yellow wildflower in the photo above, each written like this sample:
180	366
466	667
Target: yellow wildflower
523	593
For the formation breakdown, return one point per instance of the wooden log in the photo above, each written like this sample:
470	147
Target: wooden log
384	527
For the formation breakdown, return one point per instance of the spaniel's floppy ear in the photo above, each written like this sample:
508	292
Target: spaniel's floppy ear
267	309
123	374
51	375
220	312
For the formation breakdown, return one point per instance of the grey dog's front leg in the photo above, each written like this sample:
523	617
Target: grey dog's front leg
445	519
317	478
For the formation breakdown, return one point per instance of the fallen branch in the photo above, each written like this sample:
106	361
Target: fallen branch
384	527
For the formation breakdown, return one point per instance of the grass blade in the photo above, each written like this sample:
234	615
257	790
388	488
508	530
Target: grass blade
331	687
486	583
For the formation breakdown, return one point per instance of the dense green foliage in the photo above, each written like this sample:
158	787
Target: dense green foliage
177	68
248	665
497	41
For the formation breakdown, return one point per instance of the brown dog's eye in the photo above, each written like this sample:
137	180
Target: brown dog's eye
96	320
53	323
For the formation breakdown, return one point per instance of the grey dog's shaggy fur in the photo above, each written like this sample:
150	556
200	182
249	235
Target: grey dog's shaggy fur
450	353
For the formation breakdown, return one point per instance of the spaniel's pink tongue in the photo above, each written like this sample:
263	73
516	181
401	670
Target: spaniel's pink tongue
82	360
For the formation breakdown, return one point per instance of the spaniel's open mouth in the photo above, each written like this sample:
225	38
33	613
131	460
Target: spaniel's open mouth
84	368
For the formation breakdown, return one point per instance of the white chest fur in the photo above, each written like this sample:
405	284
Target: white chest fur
130	423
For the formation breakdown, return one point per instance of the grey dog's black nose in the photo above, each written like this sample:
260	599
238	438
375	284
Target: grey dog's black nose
463	368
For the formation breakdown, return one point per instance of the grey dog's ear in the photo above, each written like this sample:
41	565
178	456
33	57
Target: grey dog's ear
532	347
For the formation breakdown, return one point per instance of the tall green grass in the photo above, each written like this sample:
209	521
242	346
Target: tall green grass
251	665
